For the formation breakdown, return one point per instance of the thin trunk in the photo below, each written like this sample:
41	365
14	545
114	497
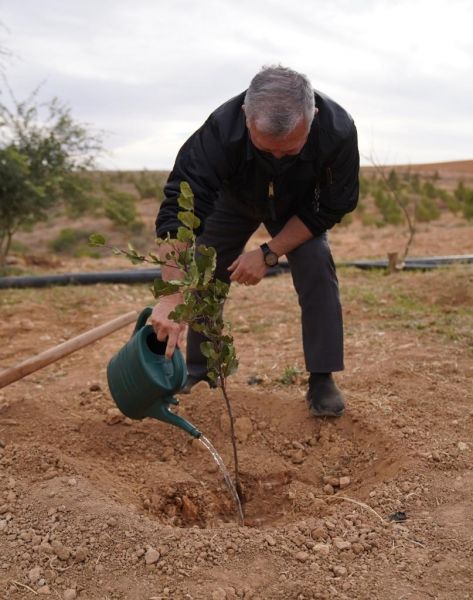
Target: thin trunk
232	434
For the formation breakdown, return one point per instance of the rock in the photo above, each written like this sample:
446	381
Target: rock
219	594
323	549
333	481
302	556
436	456
462	446
114	416
81	554
243	428
95	387
44	591
318	533
357	548
298	457
339	571
328	489
35	574
72	482
4	508
344	482
270	540
61	551
189	509
2	444
152	556
70	594
341	544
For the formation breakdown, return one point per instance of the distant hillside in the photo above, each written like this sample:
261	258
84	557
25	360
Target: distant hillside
449	173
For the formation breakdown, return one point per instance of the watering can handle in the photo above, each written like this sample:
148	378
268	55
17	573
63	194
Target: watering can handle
143	317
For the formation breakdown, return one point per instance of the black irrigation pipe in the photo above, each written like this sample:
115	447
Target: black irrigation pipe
148	275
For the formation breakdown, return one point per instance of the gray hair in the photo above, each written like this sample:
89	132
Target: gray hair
277	99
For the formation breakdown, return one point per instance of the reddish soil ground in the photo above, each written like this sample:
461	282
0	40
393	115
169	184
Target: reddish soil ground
96	506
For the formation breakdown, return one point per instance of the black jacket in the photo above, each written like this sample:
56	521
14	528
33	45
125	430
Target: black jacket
319	186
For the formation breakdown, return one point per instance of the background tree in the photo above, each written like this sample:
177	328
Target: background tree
44	155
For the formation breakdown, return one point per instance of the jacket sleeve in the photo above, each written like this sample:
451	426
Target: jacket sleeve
202	163
338	194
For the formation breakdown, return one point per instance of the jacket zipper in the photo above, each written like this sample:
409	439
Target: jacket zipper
272	207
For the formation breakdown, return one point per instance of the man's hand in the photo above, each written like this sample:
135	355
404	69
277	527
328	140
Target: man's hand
165	327
249	268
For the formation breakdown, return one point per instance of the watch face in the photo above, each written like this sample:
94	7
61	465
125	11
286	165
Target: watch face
271	259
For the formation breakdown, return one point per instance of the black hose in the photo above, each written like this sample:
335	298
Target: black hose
148	275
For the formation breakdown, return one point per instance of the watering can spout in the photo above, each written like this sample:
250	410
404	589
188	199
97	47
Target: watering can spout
161	411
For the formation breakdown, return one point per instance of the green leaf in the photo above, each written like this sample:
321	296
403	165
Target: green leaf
188	219
164	288
207	350
206	251
96	239
186	198
184	234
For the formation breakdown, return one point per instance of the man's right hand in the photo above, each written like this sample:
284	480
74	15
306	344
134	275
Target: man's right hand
165	327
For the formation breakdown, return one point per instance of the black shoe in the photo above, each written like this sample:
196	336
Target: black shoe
324	397
193	380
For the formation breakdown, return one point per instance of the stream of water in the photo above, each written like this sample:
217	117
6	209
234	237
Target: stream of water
226	476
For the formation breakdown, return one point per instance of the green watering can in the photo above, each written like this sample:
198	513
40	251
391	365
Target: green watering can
142	381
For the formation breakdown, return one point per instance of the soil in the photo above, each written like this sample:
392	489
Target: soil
374	505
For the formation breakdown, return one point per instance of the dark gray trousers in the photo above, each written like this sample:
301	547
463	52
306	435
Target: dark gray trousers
314	278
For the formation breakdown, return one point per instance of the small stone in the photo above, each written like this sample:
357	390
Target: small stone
341	544
436	456
2	444
302	556
298	457
44	591
318	533
323	549
243	428
35	574
95	387
270	540
61	551
339	571
357	548
219	594
70	594
81	554
72	481
4	508
328	489
114	416
151	556
344	482
462	446
333	481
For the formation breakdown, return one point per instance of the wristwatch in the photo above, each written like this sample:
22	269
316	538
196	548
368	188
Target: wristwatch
270	258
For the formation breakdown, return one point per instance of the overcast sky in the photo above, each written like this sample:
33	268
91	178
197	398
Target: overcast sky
150	71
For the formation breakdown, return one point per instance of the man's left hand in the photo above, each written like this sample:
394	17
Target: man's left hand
249	268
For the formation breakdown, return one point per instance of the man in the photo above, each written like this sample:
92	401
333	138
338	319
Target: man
286	156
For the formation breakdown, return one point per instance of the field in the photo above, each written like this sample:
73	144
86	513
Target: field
99	507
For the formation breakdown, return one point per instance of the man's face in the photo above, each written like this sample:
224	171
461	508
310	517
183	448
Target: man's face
288	145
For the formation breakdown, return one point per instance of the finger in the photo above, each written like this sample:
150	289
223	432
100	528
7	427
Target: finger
161	333
171	345
182	335
234	265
